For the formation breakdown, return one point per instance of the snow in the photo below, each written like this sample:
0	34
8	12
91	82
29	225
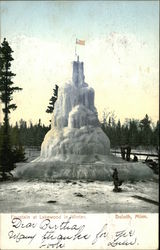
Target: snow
76	147
99	170
73	144
96	197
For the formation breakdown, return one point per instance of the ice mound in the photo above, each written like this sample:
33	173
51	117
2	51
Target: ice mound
49	171
76	147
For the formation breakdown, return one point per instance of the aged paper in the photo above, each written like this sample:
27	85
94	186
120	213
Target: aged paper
79	231
120	52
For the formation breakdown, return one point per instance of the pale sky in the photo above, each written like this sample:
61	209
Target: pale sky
120	57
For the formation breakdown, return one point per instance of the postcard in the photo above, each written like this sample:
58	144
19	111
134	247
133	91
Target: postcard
79	125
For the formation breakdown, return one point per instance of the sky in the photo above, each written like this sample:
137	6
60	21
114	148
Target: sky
120	54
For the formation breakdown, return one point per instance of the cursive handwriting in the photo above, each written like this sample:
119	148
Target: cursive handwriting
123	238
17	223
57	233
101	234
19	236
66	231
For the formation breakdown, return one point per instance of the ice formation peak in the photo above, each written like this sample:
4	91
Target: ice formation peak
75	105
78	73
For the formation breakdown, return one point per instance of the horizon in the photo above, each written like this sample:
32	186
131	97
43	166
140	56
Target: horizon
120	55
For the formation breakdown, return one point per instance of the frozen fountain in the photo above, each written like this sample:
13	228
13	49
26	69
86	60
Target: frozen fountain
76	147
75	135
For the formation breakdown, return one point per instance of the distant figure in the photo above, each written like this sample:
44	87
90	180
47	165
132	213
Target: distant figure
128	153
123	153
116	181
135	159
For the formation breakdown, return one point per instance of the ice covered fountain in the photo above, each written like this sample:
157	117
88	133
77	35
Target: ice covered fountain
76	147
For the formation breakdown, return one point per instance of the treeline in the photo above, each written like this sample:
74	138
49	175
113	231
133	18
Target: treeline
27	134
133	132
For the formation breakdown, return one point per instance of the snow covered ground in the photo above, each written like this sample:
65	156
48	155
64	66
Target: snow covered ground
80	196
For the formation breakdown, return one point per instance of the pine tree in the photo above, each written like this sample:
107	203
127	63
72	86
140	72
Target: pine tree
53	99
145	125
6	96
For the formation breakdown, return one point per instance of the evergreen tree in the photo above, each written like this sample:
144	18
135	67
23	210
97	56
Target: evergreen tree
146	131
53	99
6	96
118	134
155	136
133	132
